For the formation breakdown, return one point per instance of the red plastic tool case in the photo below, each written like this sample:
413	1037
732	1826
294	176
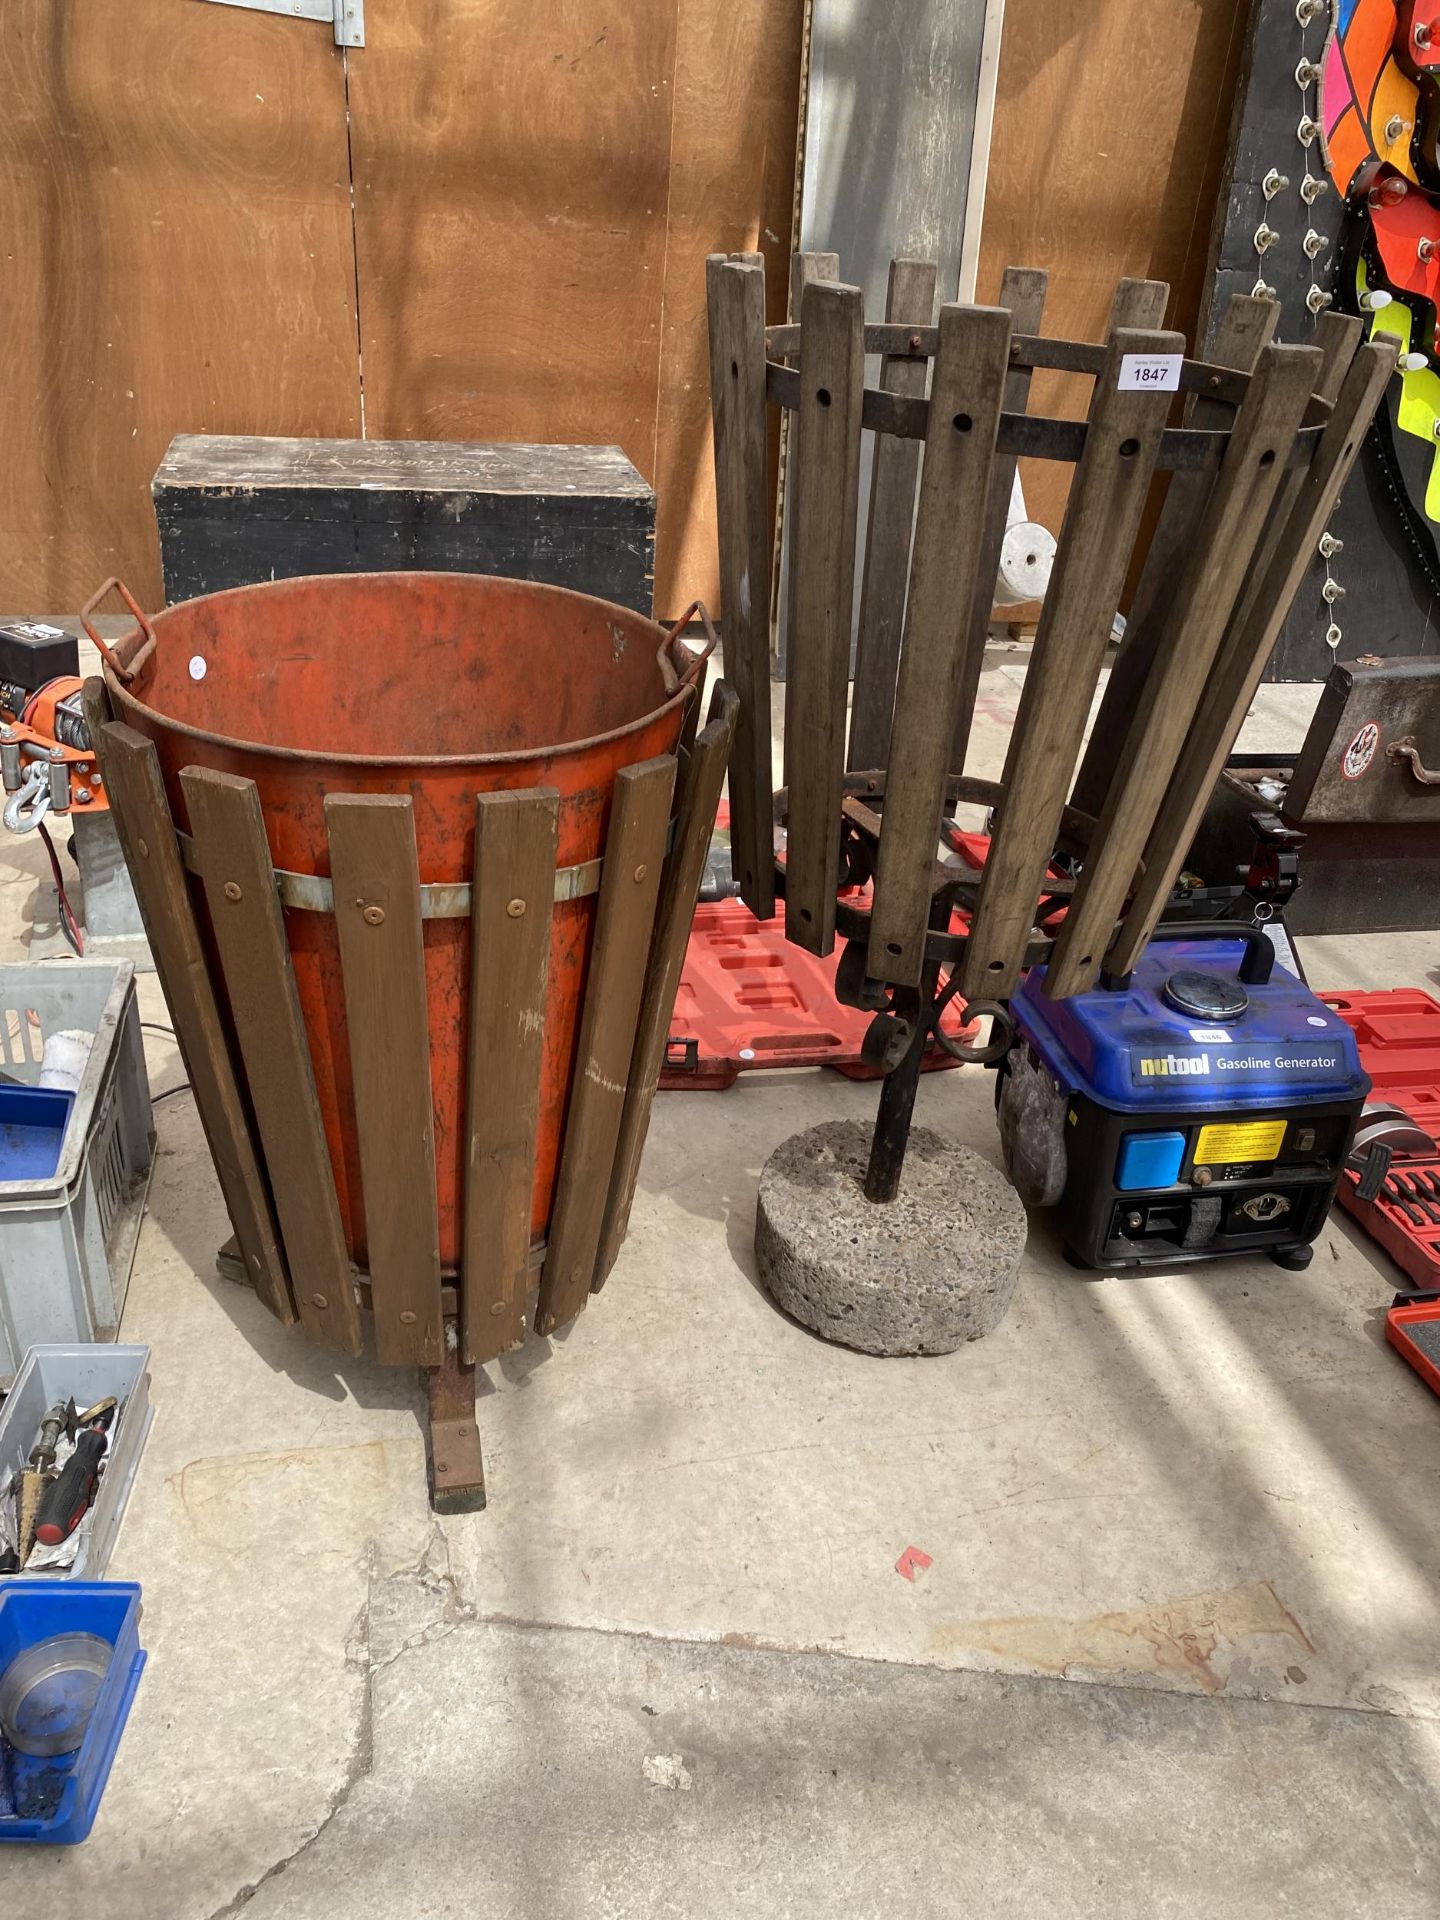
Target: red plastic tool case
1398	1034
749	999
1412	1326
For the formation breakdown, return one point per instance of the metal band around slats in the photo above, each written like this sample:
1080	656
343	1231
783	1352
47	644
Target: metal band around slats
313	893
1034	436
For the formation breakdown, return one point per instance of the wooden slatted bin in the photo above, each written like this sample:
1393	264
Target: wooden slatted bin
1244	455
417	856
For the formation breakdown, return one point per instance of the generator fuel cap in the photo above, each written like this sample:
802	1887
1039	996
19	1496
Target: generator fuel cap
1205	996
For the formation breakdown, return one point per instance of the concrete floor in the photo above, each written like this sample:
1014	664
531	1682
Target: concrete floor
1174	1653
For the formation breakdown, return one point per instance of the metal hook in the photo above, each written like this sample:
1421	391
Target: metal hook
30	802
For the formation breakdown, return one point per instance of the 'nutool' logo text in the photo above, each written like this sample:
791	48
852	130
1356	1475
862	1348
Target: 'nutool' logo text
1175	1066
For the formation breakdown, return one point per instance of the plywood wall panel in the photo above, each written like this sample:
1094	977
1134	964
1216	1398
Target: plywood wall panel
537	183
1110	134
175	216
732	190
511	163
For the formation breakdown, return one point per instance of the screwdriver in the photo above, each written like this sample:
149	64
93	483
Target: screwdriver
64	1502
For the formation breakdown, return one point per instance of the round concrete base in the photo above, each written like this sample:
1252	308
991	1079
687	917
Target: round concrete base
933	1269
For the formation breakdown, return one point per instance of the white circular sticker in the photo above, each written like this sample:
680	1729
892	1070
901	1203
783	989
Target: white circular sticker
198	668
1361	751
747	1053
1314	1020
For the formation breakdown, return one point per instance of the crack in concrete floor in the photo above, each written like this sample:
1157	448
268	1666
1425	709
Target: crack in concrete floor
431	1579
434	1578
566	1748
360	1765
412	1609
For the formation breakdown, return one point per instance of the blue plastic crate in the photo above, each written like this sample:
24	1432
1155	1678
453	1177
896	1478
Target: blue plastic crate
32	1130
54	1802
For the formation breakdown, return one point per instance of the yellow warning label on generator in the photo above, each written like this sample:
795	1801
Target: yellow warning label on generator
1233	1141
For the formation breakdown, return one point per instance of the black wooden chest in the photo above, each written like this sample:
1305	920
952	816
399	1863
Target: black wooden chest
232	510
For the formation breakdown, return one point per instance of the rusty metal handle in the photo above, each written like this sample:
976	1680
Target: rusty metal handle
673	650
125	671
1406	753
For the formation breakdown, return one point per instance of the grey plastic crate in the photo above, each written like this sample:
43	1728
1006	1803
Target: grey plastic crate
88	1375
67	1243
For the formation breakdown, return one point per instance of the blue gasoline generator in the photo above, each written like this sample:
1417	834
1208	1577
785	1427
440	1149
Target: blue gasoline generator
1203	1105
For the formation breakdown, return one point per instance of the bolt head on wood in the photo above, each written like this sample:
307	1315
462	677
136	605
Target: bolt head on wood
515	909
318	1300
640	871
374	916
142	849
407	1318
232	890
497	1307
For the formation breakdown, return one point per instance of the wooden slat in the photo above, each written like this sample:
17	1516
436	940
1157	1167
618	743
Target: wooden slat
966	393
730	184
894	466
1205	589
1336	338
629	888
229	834
376	877
510	929
457	1471
1139	303
804	268
147	835
824	496
1101	521
809	269
1136	303
737	388
1022	294
702	775
1310	498
1244	332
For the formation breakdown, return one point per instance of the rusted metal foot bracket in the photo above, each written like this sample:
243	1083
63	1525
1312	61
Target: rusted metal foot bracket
456	1471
